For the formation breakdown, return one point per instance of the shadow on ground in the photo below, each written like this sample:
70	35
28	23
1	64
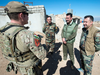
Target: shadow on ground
77	55
68	71
53	60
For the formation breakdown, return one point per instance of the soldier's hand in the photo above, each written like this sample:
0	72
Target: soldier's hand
64	41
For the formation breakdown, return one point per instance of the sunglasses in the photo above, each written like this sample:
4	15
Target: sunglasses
25	13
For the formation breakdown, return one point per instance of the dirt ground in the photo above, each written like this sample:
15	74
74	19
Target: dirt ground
55	65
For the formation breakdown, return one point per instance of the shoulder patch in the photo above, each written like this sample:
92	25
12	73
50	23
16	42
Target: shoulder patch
36	40
36	36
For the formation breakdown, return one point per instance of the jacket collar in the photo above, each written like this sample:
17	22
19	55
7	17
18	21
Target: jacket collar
90	28
49	24
84	29
70	23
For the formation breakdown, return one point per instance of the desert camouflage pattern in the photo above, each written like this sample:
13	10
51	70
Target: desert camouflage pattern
26	49
50	30
27	37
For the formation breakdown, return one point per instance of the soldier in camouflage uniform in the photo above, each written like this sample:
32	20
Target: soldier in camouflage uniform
50	29
28	55
89	44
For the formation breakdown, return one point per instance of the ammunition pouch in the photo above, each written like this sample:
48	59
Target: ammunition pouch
21	57
36	64
25	56
29	55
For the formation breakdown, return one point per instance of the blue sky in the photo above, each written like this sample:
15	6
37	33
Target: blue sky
80	7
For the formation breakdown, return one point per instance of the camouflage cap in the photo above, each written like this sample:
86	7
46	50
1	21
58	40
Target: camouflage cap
15	6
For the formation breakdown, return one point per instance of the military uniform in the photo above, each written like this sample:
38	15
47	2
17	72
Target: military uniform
29	56
69	33
25	55
50	30
89	44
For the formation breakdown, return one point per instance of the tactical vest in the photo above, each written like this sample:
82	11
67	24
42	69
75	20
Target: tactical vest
68	30
13	54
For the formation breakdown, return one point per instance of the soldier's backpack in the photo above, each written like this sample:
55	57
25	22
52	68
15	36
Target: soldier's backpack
7	41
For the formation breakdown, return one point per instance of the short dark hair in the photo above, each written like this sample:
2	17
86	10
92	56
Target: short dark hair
13	16
49	16
89	16
69	14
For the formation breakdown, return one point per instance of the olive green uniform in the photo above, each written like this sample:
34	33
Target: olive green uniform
69	33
